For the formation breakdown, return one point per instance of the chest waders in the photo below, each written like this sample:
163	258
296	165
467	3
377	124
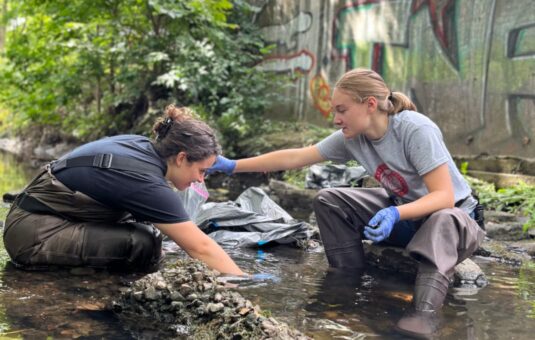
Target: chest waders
51	225
440	241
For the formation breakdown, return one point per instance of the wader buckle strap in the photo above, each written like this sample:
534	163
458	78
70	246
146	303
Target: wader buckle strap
106	161
30	204
103	160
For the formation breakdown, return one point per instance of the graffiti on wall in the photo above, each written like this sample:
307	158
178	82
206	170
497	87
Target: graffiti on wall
442	16
521	107
286	35
301	61
469	64
359	41
321	95
360	22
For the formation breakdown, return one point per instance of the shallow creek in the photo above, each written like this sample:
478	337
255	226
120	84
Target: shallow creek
320	303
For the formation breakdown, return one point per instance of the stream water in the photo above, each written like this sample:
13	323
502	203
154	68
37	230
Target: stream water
321	303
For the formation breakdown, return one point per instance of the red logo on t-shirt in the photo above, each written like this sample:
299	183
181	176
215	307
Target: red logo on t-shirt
391	180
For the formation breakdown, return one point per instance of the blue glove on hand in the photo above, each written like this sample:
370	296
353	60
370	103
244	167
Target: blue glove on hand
258	277
265	277
222	164
380	226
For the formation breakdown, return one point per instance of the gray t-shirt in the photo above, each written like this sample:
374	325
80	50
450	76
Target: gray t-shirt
412	146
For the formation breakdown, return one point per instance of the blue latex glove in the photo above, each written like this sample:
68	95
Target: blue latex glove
265	277
258	277
222	164
380	226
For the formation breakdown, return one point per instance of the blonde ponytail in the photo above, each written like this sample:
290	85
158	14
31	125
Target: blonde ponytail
362	83
399	102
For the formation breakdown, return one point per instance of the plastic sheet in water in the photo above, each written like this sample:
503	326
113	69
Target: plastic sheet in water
252	220
334	175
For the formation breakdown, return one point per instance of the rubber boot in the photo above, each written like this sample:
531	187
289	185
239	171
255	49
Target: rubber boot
429	293
337	291
145	253
350	257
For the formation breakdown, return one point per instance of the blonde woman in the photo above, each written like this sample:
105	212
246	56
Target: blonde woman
424	205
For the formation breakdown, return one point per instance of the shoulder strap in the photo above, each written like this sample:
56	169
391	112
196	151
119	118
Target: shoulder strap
106	161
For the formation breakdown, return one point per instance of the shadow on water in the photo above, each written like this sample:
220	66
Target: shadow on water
323	303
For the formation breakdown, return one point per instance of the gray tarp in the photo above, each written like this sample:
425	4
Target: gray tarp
334	175
252	220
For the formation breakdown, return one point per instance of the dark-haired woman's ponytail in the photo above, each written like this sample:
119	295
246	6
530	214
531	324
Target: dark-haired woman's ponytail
161	128
178	130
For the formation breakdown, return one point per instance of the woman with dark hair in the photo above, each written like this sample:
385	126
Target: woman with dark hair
424	205
105	203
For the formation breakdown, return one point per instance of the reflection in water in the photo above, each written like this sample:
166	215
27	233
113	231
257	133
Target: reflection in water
38	305
339	294
13	175
339	291
329	304
323	303
504	310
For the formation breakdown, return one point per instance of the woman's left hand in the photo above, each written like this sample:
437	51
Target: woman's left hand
381	225
222	164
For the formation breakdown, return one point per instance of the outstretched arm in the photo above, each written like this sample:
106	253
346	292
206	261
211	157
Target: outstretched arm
200	246
280	160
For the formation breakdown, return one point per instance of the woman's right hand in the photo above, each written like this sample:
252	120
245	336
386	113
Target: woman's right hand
222	164
258	277
199	245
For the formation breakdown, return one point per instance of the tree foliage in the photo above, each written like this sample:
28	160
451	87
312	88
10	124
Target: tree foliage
102	67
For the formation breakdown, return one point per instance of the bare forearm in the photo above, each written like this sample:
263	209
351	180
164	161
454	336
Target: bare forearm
426	205
280	160
440	196
216	258
200	246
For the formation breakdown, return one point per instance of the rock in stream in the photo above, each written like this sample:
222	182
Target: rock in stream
188	300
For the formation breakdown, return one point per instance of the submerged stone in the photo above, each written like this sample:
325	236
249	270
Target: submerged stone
397	259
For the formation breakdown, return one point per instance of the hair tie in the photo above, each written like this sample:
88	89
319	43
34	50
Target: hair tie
391	96
166	125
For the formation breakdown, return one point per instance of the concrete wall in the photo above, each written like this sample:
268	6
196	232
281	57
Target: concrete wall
467	64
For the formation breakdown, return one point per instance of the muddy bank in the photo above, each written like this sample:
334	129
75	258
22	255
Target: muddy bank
188	300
